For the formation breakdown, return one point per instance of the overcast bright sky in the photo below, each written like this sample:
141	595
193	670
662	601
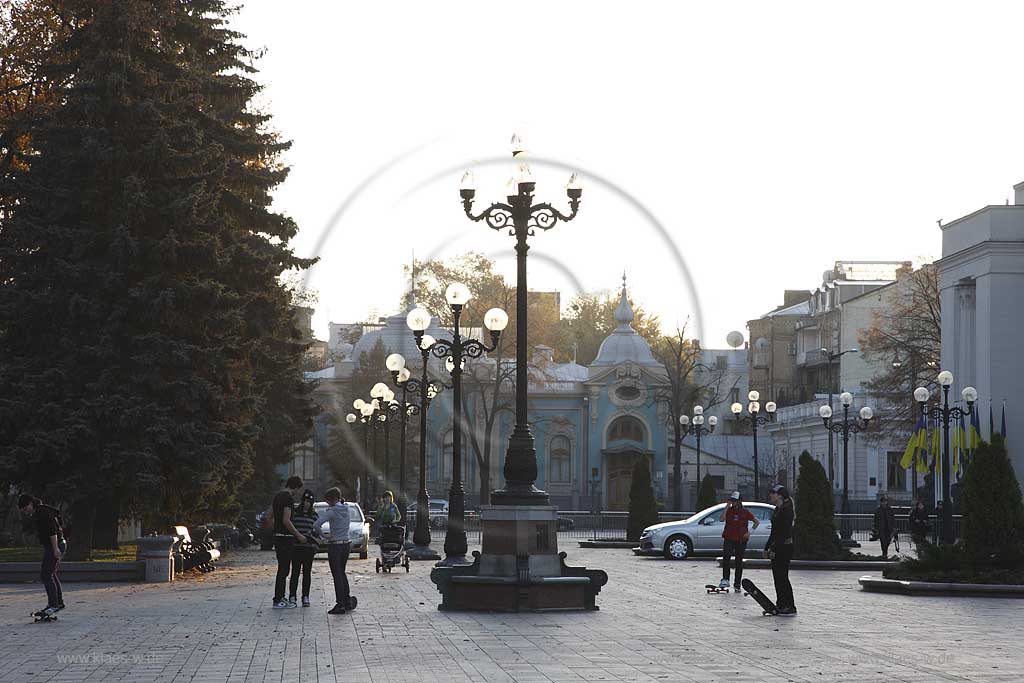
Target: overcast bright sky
769	139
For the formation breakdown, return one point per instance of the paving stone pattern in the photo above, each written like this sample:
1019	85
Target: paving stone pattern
655	624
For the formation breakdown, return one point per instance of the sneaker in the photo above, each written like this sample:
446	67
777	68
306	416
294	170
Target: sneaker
305	601
40	613
787	611
724	583
737	587
60	606
337	609
292	604
281	604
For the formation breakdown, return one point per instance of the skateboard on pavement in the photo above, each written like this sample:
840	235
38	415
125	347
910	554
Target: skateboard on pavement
767	606
43	616
712	588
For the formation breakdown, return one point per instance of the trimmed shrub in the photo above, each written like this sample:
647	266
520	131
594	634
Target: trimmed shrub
643	510
708	495
993	514
814	530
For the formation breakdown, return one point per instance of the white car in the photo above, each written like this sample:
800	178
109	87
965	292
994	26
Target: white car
701	534
358	529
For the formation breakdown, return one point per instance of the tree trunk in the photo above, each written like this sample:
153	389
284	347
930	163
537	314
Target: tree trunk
485	485
82	519
106	523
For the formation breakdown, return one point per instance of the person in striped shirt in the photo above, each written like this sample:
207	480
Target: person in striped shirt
304	520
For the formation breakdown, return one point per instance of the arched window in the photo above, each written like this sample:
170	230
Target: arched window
626	429
560	460
304	462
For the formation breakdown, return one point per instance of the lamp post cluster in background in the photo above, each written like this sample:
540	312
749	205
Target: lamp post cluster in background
374	416
846	427
455	352
947	415
697	428
755	418
831	447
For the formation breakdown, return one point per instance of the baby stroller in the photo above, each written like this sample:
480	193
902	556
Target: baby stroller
392	548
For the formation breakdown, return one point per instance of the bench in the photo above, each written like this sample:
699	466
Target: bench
200	554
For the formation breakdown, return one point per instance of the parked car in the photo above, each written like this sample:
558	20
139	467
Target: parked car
701	534
437	511
359	529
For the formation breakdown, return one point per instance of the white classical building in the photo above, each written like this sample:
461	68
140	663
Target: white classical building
981	284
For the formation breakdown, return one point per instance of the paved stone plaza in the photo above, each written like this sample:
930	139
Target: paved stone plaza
655	623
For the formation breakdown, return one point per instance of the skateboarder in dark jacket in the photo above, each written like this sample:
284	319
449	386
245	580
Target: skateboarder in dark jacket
49	529
780	548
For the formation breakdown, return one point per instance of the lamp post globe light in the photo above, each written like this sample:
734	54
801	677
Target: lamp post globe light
946	414
455	351
697	428
833	356
756	419
520	215
845	428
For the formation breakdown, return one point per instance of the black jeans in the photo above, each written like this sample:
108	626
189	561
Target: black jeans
337	558
284	547
730	548
302	562
48	575
780	572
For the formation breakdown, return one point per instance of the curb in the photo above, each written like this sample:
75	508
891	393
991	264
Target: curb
878	584
598	543
842	565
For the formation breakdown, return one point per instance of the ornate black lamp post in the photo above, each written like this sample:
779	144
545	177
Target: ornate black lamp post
426	391
832	357
947	415
520	215
697	428
367	419
756	419
455	352
845	428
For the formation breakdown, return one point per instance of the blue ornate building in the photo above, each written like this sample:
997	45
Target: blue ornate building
591	424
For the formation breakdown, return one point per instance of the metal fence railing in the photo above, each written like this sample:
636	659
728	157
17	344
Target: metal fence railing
611	525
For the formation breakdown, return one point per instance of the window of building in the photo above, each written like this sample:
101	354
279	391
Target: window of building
626	429
721	363
560	457
895	476
304	460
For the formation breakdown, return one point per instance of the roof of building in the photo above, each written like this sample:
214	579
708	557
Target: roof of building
802	308
396	337
624	343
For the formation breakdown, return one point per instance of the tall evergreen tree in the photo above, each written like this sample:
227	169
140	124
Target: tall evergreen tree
814	530
643	508
993	514
152	347
707	496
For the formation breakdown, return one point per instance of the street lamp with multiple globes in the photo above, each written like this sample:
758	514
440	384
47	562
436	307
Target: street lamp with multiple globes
697	428
832	357
388	412
521	216
947	415
455	351
427	391
367	419
756	419
845	428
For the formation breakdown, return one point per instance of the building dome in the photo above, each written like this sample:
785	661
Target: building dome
396	338
624	344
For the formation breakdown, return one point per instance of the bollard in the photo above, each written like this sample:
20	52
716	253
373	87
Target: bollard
157	553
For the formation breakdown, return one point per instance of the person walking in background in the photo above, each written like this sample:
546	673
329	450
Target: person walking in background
303	519
780	548
735	535
285	536
388	512
919	526
884	527
49	528
338	545
937	524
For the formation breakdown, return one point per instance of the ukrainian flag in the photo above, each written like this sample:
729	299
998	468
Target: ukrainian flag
936	459
916	442
974	437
